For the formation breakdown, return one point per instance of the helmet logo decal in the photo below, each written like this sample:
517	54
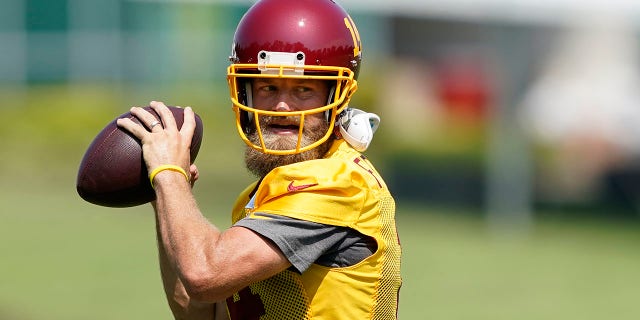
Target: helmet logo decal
354	34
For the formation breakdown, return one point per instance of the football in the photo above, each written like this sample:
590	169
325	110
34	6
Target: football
113	173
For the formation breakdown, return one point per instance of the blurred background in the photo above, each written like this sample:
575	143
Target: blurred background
510	137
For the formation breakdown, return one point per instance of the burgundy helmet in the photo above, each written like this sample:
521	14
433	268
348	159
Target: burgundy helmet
307	39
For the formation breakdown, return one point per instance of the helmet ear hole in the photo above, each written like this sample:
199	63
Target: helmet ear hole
244	121
248	94
332	94
246	97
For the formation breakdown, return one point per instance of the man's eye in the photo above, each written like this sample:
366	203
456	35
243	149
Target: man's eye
304	89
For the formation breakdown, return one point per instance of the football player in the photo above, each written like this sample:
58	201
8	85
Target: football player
314	237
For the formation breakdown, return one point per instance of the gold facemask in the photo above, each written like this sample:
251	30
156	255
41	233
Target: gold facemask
345	86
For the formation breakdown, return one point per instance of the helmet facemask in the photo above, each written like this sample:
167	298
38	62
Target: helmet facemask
282	65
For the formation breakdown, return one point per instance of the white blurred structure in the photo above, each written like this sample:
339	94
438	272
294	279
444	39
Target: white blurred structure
585	106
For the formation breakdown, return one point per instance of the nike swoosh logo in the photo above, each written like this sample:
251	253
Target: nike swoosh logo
292	188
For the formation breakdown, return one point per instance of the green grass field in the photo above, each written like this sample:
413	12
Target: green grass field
63	258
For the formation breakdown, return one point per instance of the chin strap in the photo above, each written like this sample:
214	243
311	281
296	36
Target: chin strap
357	127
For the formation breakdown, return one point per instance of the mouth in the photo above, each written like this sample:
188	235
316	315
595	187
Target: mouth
284	129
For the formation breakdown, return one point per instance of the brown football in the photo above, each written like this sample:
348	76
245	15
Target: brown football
112	172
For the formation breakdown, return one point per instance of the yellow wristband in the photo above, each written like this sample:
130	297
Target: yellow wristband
171	167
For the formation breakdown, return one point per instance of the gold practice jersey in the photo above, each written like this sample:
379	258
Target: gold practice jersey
343	189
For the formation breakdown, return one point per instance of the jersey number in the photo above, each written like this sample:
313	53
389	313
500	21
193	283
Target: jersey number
248	307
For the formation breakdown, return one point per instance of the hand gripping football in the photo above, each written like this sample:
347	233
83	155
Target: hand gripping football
113	173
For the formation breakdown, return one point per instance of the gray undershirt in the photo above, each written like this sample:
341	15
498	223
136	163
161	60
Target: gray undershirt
305	243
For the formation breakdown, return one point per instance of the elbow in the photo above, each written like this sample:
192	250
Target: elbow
206	286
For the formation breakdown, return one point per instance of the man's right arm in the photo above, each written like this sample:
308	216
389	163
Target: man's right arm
181	305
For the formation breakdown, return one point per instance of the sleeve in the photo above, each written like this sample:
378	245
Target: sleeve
304	242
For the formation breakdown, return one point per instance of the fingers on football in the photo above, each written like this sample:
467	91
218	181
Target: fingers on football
194	173
137	130
189	123
165	114
146	118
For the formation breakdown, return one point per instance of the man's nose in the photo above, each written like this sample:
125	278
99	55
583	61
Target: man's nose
282	106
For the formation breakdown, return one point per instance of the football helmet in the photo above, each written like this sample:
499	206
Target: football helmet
299	39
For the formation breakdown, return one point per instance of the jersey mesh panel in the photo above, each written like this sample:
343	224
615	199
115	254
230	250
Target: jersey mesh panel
391	279
278	294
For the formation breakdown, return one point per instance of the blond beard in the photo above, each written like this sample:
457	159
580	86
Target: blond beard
260	163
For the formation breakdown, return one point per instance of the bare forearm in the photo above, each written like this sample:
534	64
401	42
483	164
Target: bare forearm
185	232
181	305
190	239
210	265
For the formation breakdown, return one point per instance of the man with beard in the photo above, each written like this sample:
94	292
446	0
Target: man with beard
314	237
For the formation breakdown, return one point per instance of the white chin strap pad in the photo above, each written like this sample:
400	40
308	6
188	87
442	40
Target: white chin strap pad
357	127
